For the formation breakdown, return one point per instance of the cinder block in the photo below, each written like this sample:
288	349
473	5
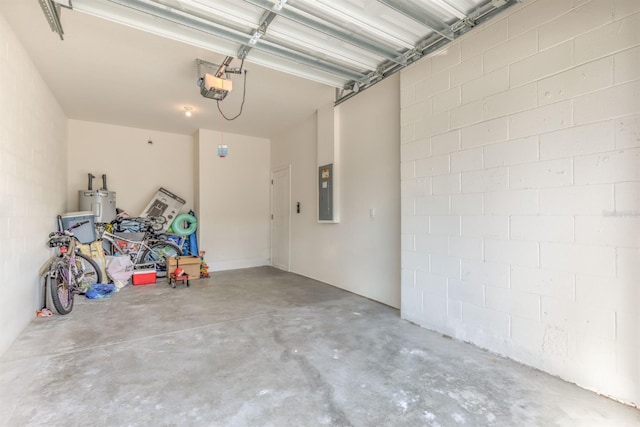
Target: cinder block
556	284
627	198
492	34
495	179
445	58
514	50
527	336
465	247
493	82
484	133
511	101
610	167
511	252
586	78
414	261
542	64
444	225
627	66
466	160
578	140
535	14
543	174
445	143
407	133
407	97
417	187
513	152
454	311
543	228
415	113
431	284
607	294
407	242
407	170
433	125
411	303
496	227
432	244
578	21
466	204
469	292
574	258
415	224
431	166
540	120
445	101
627	265
415	73
513	302
407	278
627	131
624	8
407	206
621	231
415	150
611	38
432	205
484	321
608	103
514	202
466	114
577	200
446	184
467	70
434	313
431	86
445	266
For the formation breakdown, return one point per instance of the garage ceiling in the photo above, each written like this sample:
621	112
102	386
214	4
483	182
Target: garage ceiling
300	54
347	44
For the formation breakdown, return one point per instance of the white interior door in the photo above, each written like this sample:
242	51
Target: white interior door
280	217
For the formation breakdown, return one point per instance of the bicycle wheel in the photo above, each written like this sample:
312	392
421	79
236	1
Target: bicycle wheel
92	273
60	290
158	253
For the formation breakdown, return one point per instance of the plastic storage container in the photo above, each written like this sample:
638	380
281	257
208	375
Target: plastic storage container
144	277
86	233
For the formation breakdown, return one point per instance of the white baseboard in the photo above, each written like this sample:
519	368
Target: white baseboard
238	264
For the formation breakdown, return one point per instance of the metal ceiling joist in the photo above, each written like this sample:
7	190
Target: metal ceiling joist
419	15
331	31
375	38
181	18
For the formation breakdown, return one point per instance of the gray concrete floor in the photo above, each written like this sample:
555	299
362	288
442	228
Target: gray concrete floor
261	347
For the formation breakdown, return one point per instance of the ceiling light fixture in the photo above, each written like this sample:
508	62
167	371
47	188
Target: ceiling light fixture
187	111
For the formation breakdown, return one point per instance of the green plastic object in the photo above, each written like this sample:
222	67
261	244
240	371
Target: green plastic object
178	225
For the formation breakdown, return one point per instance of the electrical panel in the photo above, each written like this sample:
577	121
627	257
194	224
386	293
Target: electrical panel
325	193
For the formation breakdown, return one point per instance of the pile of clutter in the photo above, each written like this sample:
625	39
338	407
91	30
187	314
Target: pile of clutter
160	220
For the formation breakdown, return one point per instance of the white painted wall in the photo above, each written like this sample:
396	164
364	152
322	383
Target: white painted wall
33	162
233	200
520	190
358	254
135	169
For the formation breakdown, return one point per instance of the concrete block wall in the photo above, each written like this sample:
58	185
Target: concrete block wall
33	171
520	164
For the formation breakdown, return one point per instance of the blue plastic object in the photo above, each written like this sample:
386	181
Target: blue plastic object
101	290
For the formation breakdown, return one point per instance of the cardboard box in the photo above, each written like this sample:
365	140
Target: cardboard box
165	204
144	277
191	265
